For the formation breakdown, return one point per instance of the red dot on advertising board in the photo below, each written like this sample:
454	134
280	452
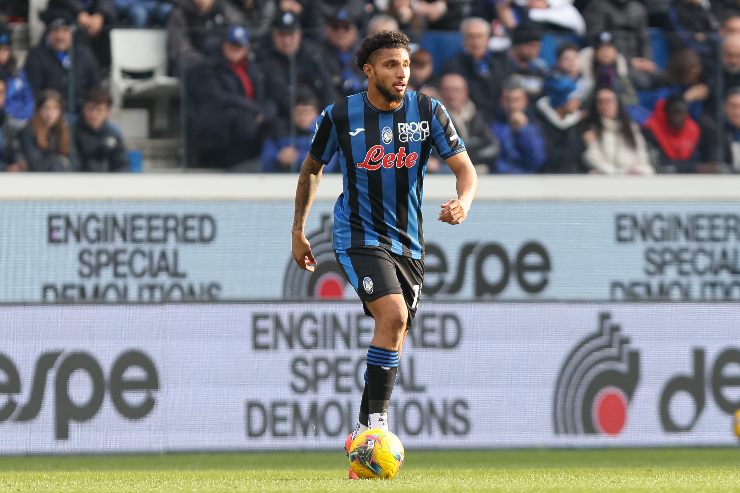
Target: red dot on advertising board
611	411
330	288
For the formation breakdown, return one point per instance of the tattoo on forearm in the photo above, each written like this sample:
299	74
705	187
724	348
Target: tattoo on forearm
308	182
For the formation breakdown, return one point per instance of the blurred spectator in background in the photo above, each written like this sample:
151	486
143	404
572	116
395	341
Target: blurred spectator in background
341	41
98	143
409	20
256	15
56	64
693	25
381	22
321	12
481	143
546	14
18	96
524	60
724	9
560	113
45	142
674	136
285	150
720	143
291	65
443	15
730	26
614	143
627	21
477	65
227	107
9	157
521	140
143	13
94	20
606	67
194	31
422	69
684	75
730	62
568	64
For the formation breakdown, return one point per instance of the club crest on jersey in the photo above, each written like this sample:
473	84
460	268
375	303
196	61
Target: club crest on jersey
413	131
367	283
387	135
377	158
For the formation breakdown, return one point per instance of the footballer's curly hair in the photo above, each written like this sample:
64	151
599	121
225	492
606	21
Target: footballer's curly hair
378	41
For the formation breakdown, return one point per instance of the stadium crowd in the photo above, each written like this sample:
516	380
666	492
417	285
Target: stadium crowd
533	86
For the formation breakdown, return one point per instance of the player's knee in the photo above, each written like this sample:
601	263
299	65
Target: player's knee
393	324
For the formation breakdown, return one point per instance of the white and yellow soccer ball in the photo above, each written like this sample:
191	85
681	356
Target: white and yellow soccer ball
376	454
736	424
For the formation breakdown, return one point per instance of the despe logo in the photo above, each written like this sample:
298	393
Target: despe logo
327	282
596	383
132	372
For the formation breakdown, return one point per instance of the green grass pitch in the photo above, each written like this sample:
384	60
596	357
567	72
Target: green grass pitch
649	470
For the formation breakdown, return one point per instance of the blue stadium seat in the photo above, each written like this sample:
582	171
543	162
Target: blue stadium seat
659	44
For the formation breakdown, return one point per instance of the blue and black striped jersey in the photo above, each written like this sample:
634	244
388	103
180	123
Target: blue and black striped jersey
383	157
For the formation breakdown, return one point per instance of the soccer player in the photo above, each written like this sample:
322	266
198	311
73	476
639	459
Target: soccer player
383	137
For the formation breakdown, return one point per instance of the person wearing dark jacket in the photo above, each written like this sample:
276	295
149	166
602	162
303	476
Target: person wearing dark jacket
98	142
56	64
94	20
227	107
45	142
9	157
560	114
478	65
341	41
194	32
291	60
522	143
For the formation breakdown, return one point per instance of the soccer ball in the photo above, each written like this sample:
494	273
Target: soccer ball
736	424
376	453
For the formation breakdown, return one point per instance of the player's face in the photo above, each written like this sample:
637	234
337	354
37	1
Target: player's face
389	72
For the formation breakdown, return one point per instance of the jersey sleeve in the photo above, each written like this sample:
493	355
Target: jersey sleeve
445	137
324	143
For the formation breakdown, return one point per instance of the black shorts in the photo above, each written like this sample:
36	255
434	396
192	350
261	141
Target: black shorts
375	272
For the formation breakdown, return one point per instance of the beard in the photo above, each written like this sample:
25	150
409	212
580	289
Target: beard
387	94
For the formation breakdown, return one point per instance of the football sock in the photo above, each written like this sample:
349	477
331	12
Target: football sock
382	367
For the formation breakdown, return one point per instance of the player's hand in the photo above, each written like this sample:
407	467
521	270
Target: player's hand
453	212
302	252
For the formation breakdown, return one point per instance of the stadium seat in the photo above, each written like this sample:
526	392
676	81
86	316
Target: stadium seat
139	68
659	45
443	45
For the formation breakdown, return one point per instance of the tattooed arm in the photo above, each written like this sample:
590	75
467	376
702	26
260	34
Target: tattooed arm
308	183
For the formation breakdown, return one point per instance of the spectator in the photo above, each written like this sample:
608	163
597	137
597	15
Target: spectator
685	75
730	26
422	70
560	113
408	18
522	143
719	145
443	15
144	13
731	62
98	143
546	14
291	65
284	152
227	107
674	136
627	21
54	62
477	65
18	97
523	60
724	9
606	67
480	142
45	142
693	25
614	143
322	11
568	64
194	31
341	41
94	20
381	22
9	158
